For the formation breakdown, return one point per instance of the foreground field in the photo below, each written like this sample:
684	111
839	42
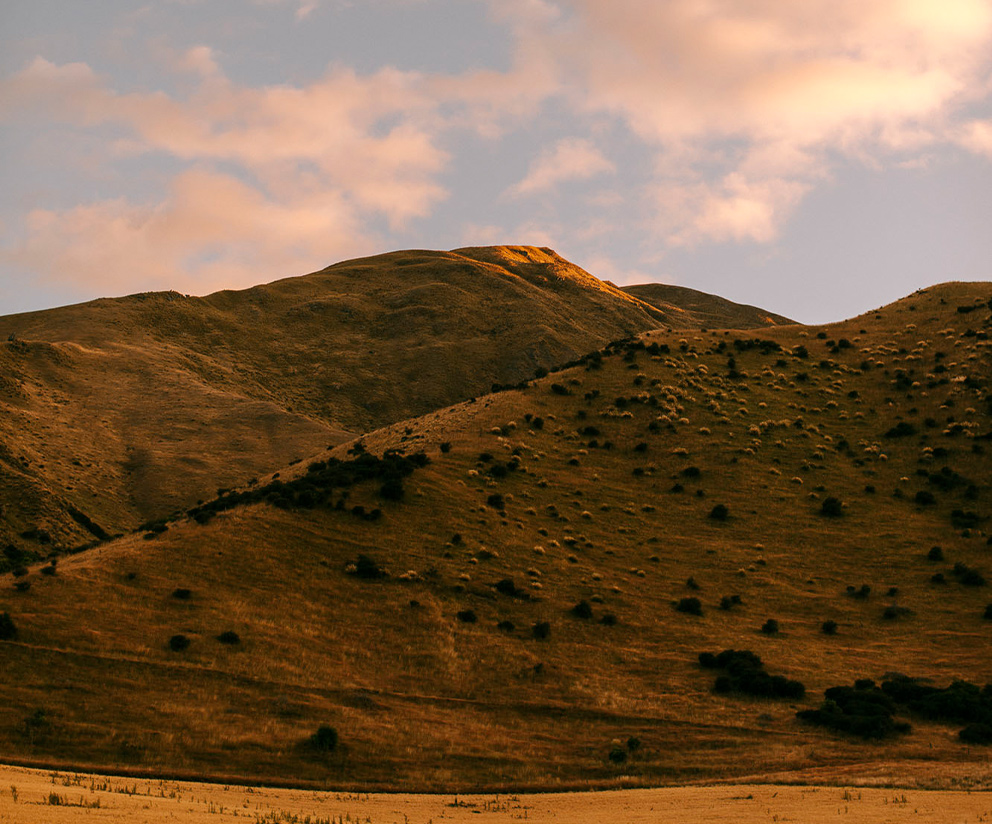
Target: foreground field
30	796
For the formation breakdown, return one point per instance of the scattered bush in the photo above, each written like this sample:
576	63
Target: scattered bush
467	616
976	734
690	606
177	643
367	569
182	593
903	429
506	587
496	501
925	498
506	626
229	637
968	576
582	610
618	755
770	627
608	620
719	513
935	554
831	507
541	630
988	613
863	710
8	631
325	739
829	627
746	674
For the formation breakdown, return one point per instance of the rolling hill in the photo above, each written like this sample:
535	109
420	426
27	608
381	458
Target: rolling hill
514	591
119	411
685	308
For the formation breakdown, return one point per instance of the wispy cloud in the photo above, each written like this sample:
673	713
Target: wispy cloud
570	159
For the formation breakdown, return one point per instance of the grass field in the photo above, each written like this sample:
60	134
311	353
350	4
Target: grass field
42	797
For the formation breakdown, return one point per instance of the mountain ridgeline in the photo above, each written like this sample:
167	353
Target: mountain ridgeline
122	410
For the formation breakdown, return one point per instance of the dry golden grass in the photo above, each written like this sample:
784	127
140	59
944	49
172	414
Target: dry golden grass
422	700
36	797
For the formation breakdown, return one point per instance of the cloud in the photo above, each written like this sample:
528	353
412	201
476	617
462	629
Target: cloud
719	89
569	159
212	231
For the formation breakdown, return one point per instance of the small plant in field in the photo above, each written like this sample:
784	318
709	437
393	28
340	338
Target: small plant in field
541	630
8	631
618	755
182	594
719	513
325	739
831	507
633	744
582	610
467	616
690	606
229	637
988	613
770	627
178	643
829	627
935	554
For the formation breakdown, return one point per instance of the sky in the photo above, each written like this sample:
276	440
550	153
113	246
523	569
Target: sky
818	158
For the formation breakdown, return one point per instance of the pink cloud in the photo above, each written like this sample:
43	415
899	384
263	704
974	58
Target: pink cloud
569	159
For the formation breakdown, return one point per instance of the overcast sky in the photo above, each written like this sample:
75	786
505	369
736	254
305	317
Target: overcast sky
815	157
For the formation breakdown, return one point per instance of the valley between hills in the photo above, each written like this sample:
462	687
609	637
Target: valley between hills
479	520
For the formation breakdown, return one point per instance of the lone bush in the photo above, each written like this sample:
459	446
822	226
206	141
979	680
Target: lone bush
582	610
935	554
719	513
325	739
182	594
690	606
178	643
829	627
229	637
746	674
467	616
618	755
770	627
541	630
8	631
831	507
367	569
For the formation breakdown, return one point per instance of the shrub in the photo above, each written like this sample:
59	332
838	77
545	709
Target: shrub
863	710
988	613
541	630
976	734
690	606
608	620
8	631
229	637
392	489
903	429
506	587
831	507
177	643
506	626
935	554
719	513
558	389
582	610
496	501
618	754
925	498
829	627
467	616
633	744
367	569
968	576
325	739
446	447
770	627
746	674
182	594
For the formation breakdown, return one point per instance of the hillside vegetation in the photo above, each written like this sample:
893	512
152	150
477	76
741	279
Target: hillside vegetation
124	410
526	603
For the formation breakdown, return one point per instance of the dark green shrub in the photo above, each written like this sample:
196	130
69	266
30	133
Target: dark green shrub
903	429
22	586
831	507
608	620
496	501
618	755
177	643
968	576
582	610
829	627
746	674
980	734
541	630
8	631
445	447
719	513
988	613
182	594
633	744
325	739
690	606
925	498
935	554
467	616
392	489
229	637
770	627
864	711
367	569
558	389
506	626
506	587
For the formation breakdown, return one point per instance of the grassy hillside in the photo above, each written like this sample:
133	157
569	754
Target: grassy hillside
685	308
842	455
128	409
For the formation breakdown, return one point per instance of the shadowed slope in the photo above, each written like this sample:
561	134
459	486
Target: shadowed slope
685	308
599	485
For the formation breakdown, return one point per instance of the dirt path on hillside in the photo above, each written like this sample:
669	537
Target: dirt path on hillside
46	797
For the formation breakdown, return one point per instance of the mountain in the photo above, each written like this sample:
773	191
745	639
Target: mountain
685	308
514	608
123	410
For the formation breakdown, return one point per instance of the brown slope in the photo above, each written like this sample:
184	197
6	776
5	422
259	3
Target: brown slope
422	698
130	408
685	308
